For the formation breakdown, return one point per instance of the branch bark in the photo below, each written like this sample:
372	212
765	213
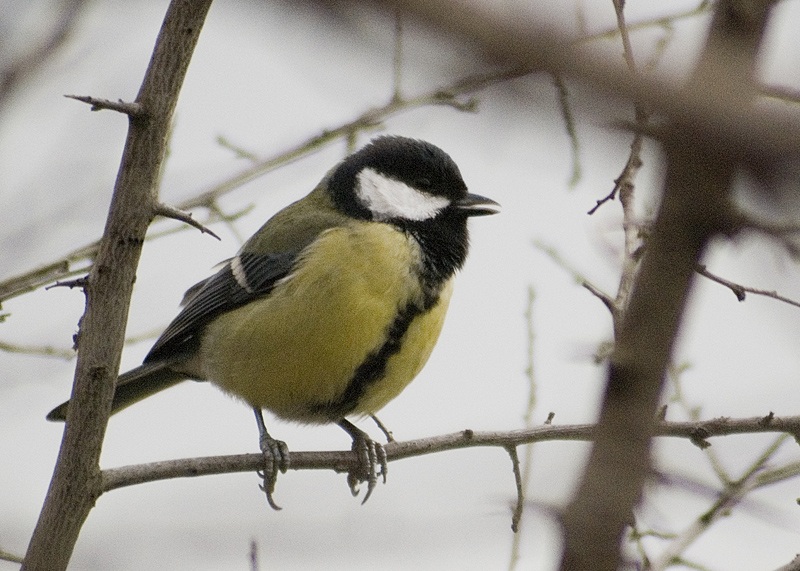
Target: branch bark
760	137
76	482
692	211
342	461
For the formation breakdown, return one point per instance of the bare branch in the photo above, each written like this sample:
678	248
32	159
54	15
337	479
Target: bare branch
6	556
661	22
569	123
695	196
782	93
240	152
607	300
516	514
74	486
741	291
447	95
524	478
342	461
450	95
759	137
131	109
730	497
37	350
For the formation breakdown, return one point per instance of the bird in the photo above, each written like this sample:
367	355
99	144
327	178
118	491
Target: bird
332	307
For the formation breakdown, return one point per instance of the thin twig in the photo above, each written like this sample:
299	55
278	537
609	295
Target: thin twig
13	70
528	419
662	21
238	151
786	94
448	95
624	182
731	496
12	557
569	124
516	514
37	350
674	374
741	291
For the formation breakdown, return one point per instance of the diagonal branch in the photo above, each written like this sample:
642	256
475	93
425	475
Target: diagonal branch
759	137
448	95
692	211
75	484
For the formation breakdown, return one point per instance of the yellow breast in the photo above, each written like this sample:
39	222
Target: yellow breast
297	351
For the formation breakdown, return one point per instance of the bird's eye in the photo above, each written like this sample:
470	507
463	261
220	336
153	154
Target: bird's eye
423	183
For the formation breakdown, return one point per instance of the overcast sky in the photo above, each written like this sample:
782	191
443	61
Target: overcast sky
268	75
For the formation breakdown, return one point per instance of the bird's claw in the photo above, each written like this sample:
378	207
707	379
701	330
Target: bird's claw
372	462
276	458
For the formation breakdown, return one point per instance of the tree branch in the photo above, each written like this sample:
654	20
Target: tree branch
76	481
449	95
760	137
741	291
344	460
692	210
727	500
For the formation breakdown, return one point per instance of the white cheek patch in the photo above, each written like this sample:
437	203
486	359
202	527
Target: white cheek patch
389	198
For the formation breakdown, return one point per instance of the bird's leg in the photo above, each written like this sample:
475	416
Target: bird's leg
276	457
371	460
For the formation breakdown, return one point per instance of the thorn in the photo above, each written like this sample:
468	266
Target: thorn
185	217
131	109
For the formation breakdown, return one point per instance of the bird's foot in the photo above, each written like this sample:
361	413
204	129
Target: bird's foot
372	461
276	458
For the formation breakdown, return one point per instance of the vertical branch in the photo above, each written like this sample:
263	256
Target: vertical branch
76	480
527	466
625	185
698	177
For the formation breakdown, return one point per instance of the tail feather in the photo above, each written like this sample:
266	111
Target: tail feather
133	386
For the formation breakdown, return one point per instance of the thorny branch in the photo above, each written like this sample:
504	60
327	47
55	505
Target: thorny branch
74	487
450	95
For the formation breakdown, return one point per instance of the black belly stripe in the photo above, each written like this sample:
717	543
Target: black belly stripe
373	368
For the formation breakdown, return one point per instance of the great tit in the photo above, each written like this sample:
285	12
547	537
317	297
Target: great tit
333	306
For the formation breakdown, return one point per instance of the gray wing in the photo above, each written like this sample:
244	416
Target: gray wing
245	278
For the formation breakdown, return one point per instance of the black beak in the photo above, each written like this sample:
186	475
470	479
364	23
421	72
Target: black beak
476	205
